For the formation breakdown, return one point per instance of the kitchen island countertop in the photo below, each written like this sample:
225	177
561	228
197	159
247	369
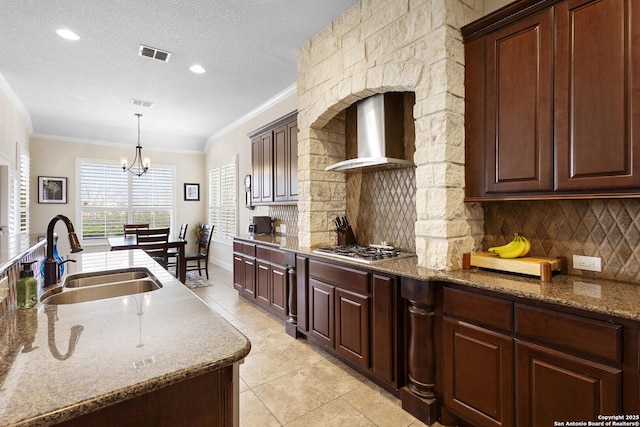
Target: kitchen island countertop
61	361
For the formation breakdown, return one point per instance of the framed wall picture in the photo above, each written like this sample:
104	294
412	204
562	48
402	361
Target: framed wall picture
52	189
191	192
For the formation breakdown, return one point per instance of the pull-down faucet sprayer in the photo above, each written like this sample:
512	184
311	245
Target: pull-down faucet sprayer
50	264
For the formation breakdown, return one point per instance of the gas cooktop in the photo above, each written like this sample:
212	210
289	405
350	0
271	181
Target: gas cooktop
364	254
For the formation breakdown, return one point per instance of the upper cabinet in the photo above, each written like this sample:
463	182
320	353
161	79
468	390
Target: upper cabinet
552	100
274	150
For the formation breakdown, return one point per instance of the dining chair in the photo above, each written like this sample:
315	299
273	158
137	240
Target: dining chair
130	229
173	253
202	252
155	240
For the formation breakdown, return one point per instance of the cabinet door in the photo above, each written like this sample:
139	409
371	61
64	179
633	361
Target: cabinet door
279	286
267	167
597	94
238	271
352	326
552	386
280	161
478	374
263	281
321	312
256	169
519	106
249	289
292	164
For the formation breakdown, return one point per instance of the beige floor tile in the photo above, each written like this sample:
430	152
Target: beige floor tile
253	412
260	368
379	406
303	354
293	395
242	387
337	413
339	379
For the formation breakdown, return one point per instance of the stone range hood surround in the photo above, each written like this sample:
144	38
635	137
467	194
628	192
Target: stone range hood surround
380	134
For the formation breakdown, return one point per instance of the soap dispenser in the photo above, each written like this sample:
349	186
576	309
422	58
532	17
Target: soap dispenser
27	287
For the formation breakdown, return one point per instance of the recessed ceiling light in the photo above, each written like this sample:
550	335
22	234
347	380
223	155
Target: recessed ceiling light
67	34
197	69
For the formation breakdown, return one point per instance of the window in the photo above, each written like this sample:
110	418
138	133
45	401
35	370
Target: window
222	200
110	198
25	174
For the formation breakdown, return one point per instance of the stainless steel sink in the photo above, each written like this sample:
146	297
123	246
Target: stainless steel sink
100	278
85	287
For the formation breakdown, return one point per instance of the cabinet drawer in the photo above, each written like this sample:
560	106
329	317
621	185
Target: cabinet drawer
342	277
249	249
481	309
263	252
237	246
277	257
572	332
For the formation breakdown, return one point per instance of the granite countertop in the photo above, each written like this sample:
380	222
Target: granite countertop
58	362
607	297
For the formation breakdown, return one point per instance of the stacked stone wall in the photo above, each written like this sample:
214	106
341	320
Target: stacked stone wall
380	46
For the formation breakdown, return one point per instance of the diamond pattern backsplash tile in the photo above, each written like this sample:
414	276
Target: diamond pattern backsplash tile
287	215
609	229
381	206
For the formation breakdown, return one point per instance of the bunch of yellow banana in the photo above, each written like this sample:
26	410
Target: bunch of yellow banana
516	248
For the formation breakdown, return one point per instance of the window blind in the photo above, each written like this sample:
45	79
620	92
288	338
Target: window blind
110	198
223	200
25	175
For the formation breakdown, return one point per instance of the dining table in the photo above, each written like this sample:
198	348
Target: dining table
120	243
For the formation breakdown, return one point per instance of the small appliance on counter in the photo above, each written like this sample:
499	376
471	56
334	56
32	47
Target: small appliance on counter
261	225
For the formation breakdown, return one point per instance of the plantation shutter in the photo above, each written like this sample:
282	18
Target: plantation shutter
103	200
152	198
222	200
25	174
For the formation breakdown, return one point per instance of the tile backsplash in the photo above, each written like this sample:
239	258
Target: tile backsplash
287	215
609	229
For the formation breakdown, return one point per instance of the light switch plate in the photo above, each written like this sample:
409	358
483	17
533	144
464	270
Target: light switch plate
590	263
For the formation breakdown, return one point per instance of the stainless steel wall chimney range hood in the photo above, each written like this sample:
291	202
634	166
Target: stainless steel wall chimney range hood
380	135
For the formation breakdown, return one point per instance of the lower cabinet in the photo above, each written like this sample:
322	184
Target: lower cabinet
553	386
478	373
353	314
511	364
260	276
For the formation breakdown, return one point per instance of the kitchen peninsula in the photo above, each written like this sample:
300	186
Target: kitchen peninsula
153	358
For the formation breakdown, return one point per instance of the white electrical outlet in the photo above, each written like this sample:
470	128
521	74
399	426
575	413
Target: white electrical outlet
283	228
590	263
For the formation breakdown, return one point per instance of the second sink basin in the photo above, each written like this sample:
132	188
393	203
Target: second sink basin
100	278
84	287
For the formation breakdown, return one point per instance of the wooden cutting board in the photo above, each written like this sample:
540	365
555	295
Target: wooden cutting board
534	266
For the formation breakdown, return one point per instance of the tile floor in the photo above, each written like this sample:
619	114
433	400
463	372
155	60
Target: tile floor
287	382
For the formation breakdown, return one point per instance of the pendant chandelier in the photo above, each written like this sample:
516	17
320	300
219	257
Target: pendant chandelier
139	166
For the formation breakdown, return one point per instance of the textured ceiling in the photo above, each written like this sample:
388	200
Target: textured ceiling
82	90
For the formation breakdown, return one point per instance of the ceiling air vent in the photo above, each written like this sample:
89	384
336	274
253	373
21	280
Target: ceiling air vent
154	53
141	103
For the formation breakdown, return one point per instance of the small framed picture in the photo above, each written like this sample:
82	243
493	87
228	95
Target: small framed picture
52	189
191	192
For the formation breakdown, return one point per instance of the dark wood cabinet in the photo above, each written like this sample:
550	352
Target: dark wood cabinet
353	314
478	374
519	106
285	162
597	86
506	364
274	160
260	276
262	166
478	347
553	385
550	94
